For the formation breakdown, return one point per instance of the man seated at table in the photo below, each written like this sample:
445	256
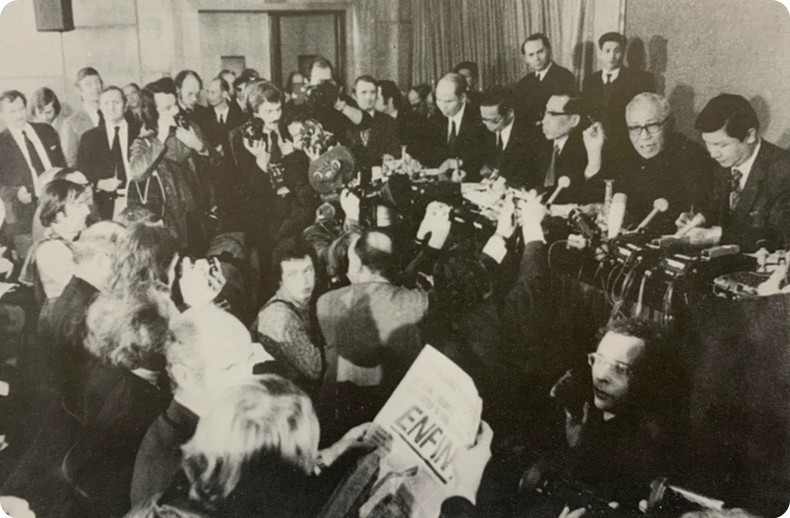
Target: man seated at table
566	151
660	164
750	203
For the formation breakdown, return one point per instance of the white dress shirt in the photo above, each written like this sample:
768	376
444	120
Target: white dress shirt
42	152
746	166
542	73
222	113
612	75
457	119
504	134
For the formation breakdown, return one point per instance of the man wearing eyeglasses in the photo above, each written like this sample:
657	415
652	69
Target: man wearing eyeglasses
568	150
661	164
616	434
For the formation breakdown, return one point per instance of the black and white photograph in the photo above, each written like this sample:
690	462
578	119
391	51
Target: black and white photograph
394	258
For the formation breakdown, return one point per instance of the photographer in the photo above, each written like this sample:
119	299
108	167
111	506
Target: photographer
163	167
274	174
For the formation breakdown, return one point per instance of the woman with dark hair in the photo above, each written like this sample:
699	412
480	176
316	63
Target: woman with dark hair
286	324
44	107
126	334
164	166
63	211
255	453
295	81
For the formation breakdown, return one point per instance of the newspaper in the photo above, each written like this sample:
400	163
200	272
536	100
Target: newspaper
434	412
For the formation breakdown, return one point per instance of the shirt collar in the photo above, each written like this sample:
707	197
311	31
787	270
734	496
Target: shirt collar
27	128
746	166
504	133
110	128
542	73
457	118
614	74
93	114
222	110
560	142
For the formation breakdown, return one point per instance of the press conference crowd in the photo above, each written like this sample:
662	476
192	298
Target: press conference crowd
219	314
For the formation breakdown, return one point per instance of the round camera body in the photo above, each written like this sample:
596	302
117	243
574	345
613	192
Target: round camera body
253	131
182	121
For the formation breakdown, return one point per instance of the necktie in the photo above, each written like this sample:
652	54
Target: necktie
274	148
735	188
537	74
221	120
551	174
117	156
453	137
35	160
608	79
607	90
500	147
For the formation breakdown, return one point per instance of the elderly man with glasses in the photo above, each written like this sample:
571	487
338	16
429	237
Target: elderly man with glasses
620	434
660	164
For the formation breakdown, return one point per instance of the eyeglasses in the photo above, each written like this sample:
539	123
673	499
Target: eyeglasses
557	114
620	369
652	129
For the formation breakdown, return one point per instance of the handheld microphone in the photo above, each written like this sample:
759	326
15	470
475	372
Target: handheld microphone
616	215
697	221
562	183
660	205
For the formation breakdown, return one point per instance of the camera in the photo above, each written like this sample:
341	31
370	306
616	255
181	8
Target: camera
253	132
181	120
323	96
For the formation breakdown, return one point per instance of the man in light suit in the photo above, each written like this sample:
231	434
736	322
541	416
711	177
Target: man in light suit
27	150
751	191
544	79
89	86
104	153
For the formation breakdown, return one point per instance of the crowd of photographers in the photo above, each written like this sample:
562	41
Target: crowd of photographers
224	297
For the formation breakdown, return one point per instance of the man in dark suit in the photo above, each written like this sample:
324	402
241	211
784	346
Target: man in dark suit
544	79
104	153
27	150
457	135
751	193
188	87
410	130
507	150
608	91
567	150
471	73
225	114
371	140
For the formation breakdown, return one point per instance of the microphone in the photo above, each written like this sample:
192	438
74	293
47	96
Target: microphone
697	221
562	183
616	215
660	205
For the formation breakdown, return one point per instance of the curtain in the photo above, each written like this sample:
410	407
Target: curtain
490	32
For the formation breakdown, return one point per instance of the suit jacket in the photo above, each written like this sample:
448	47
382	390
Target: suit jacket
14	173
380	140
571	162
94	158
469	146
159	456
513	164
763	209
532	94
70	133
611	110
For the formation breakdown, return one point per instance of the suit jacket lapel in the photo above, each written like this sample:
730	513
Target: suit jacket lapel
753	182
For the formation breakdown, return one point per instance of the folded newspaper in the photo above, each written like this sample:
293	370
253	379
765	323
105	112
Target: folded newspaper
434	412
